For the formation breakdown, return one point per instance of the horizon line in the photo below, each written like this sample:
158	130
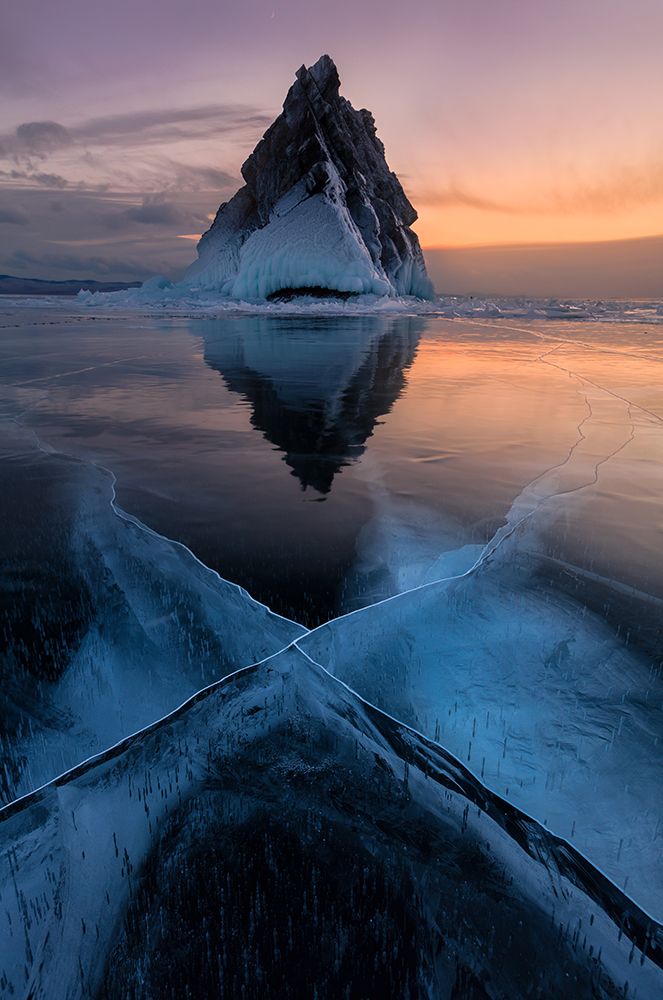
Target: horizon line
541	244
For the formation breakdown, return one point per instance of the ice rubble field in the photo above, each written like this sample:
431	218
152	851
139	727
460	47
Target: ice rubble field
161	295
537	697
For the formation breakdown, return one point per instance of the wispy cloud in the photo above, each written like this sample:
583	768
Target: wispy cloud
624	187
37	138
168	125
118	235
154	210
83	266
453	195
135	151
41	179
142	128
188	177
619	189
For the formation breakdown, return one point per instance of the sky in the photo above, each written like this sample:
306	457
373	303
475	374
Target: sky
511	123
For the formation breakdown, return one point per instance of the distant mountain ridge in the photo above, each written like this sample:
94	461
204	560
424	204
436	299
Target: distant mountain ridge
11	285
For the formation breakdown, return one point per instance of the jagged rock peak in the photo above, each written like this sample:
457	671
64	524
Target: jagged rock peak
320	209
325	76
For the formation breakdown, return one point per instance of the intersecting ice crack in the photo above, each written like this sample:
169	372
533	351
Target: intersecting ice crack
542	490
511	526
340	648
528	498
506	531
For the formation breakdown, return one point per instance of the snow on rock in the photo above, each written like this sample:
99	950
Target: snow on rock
320	208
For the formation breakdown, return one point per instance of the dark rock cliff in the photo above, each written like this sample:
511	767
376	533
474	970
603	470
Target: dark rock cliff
320	207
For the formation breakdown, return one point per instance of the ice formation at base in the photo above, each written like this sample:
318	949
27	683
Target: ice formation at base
320	208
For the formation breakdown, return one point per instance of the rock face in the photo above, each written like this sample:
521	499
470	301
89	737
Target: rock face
320	210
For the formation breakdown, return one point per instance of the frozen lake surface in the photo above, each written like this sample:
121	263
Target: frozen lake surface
326	462
465	507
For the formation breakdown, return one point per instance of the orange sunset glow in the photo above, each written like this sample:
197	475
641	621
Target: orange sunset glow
331	500
508	124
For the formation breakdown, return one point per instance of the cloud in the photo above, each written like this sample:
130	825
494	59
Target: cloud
452	195
75	265
12	217
81	234
43	179
622	188
627	186
133	129
131	152
162	174
168	125
39	138
155	211
49	180
196	178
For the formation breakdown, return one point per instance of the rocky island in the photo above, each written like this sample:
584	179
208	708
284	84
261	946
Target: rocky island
320	213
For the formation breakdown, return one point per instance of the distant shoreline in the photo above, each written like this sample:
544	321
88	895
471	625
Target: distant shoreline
11	284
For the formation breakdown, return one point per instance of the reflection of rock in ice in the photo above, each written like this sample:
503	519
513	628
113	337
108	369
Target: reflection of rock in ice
107	625
320	211
315	397
279	836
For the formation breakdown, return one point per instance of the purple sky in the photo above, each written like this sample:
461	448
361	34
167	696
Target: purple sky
123	126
